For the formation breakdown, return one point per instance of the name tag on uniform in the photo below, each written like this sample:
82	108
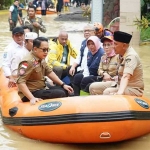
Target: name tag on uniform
64	59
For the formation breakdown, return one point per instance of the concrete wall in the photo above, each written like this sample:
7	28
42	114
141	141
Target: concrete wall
97	14
129	10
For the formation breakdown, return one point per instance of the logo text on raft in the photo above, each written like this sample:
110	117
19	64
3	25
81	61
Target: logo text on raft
50	106
142	103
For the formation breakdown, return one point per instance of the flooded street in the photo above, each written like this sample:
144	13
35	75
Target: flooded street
10	140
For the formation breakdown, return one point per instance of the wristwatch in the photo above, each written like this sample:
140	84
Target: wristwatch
63	85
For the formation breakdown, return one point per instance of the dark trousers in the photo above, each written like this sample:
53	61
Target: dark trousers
43	12
86	82
83	83
76	83
20	14
60	72
12	26
86	2
58	7
52	92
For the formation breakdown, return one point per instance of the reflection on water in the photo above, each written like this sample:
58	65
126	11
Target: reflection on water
10	140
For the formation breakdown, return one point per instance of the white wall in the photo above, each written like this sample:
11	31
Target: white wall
129	10
97	13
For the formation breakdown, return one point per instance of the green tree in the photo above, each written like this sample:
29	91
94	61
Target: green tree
7	3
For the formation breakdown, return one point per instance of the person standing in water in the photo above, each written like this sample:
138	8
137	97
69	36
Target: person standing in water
14	15
34	22
59	7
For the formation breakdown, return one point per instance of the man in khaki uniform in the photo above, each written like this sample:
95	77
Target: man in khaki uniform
130	72
34	22
31	72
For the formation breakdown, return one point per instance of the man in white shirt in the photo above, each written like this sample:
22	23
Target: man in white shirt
29	37
81	61
80	64
11	50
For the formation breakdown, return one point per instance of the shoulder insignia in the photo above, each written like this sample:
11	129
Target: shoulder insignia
34	62
22	69
128	60
5	55
24	65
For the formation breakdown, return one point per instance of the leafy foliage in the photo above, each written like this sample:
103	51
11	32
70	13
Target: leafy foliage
142	24
87	11
6	3
145	35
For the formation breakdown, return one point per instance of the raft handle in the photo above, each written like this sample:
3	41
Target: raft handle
13	111
105	135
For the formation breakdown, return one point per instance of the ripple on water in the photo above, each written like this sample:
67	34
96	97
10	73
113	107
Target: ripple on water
5	141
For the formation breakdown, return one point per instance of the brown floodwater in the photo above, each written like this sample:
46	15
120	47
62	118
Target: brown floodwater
10	140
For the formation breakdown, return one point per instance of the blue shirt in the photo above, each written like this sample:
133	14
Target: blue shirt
83	45
93	61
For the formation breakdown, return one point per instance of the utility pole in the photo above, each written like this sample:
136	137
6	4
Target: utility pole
97	11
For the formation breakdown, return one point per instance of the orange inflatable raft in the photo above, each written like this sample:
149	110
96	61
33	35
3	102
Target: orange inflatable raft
89	119
49	11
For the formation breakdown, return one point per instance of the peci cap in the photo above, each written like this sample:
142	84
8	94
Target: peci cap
18	30
31	35
110	38
122	37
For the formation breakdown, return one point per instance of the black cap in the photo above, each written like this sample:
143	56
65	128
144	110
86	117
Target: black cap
18	30
122	37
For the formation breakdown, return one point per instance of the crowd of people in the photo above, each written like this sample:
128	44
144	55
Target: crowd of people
41	69
16	15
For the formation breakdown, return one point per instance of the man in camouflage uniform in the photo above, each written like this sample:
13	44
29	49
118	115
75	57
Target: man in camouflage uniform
34	22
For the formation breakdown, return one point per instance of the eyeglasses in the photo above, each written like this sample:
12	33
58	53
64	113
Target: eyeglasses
44	49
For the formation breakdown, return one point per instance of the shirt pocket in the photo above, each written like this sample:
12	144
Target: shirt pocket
113	67
37	74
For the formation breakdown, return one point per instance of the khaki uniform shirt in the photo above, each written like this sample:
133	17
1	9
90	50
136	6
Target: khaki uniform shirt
28	22
31	71
109	65
131	64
